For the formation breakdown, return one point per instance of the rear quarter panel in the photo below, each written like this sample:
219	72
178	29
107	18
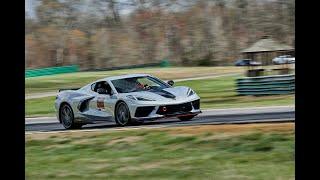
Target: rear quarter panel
72	98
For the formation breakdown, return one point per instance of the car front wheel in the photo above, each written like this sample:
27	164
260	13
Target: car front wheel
122	114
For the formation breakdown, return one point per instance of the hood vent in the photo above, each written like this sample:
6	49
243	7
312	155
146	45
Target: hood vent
165	94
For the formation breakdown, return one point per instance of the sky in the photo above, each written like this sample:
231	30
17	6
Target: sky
30	6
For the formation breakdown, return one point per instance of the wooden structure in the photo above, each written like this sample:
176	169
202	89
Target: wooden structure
265	50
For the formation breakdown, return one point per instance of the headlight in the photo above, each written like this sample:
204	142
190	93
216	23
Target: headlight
139	98
190	92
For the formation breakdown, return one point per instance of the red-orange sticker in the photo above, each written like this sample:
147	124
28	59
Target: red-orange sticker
100	102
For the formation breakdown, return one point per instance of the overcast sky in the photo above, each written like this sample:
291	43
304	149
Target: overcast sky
30	6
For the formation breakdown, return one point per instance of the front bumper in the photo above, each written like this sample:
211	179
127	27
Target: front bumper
143	113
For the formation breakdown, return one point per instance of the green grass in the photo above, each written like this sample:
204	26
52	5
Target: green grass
214	93
74	80
40	107
221	93
161	154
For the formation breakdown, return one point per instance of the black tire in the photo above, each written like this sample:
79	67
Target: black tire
186	118
122	114
67	117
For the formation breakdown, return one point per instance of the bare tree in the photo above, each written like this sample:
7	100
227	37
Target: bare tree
106	33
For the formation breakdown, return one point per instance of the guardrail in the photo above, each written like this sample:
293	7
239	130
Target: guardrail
266	85
51	70
75	68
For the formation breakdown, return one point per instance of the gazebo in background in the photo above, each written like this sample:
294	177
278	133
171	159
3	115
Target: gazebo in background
265	50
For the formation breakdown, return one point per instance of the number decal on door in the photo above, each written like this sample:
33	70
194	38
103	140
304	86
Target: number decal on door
100	102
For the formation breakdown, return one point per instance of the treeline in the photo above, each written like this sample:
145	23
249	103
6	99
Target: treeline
108	33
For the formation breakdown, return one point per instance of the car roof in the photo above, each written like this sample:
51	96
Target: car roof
115	78
122	77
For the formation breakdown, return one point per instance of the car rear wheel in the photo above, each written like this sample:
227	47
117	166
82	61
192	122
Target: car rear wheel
186	118
67	117
122	114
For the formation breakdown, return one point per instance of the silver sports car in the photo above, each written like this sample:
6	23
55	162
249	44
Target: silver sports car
126	99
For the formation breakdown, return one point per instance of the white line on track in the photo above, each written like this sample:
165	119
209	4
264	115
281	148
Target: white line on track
162	126
249	108
205	110
94	130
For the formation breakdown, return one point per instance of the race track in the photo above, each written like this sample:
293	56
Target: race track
223	116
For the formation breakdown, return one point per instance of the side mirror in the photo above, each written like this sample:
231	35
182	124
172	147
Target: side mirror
170	82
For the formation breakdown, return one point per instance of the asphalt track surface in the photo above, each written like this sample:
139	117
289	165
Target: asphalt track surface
222	116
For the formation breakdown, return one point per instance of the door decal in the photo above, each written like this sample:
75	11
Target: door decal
100	102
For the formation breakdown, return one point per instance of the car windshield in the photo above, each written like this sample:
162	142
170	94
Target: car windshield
136	84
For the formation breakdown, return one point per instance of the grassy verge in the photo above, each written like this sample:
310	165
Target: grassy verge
55	82
40	107
263	151
214	93
221	93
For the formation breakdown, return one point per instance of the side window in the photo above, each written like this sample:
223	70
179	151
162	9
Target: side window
108	87
102	85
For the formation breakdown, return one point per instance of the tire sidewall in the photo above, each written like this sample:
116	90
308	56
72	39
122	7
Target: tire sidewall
72	119
116	117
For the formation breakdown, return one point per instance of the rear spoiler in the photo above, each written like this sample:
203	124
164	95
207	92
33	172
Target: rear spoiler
68	89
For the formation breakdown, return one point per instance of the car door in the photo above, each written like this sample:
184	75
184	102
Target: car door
99	107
